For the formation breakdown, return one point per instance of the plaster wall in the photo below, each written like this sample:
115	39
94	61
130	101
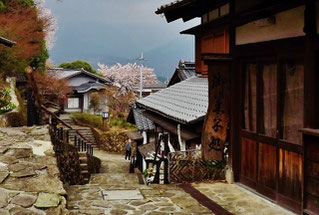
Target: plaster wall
288	24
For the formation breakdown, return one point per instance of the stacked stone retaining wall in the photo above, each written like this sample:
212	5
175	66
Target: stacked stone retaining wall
29	176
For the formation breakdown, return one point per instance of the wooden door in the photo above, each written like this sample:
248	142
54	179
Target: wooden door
271	115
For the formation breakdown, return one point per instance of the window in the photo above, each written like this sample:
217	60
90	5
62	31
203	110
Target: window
293	102
269	100
216	13
266	88
73	103
250	103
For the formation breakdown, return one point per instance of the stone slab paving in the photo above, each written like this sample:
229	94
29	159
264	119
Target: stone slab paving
157	199
238	200
29	182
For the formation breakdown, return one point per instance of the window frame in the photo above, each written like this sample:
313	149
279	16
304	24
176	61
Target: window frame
73	99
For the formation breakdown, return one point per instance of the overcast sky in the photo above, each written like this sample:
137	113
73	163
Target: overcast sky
108	31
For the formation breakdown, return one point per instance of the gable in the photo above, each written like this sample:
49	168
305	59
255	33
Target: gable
81	79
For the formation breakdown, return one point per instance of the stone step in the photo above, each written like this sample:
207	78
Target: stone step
85	181
82	154
84	166
85	173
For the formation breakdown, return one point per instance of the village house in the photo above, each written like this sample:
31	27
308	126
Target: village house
261	60
146	129
178	114
83	84
185	69
166	113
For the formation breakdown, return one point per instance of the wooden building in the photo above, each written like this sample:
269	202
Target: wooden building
261	60
178	111
146	129
83	84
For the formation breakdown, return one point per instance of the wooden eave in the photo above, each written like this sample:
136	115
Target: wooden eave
217	57
6	42
208	26
171	126
188	9
264	10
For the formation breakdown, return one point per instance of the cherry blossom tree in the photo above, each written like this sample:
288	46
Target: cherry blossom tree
50	23
127	77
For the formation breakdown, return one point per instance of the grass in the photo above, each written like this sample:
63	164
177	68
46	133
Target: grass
88	119
114	123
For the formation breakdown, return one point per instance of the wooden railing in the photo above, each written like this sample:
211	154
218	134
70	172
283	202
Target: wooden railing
59	134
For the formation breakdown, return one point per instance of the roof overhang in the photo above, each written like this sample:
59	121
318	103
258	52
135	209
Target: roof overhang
171	126
217	58
90	88
7	42
187	9
134	135
203	28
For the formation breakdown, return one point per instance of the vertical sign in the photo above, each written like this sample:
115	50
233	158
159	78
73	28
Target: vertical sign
215	130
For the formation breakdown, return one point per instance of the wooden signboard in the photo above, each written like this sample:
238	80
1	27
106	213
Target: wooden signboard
216	126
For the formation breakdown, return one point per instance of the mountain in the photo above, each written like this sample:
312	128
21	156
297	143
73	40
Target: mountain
165	58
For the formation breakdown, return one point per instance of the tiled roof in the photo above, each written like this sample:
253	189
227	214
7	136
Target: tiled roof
158	85
185	70
88	86
69	73
7	42
147	150
142	122
173	4
20	77
185	102
134	135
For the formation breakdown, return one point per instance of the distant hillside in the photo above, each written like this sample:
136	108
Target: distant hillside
165	58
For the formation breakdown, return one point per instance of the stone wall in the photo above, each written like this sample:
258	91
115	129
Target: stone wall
29	176
112	141
94	164
69	164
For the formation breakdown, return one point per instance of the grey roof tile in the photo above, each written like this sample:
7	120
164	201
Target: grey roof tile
68	73
88	86
185	102
142	122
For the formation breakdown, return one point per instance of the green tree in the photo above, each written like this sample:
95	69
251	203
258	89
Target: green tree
95	101
77	65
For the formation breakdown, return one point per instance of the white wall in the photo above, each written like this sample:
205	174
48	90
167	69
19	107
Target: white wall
86	101
288	24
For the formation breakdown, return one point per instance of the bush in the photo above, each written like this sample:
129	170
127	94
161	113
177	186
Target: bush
121	122
5	101
89	120
216	169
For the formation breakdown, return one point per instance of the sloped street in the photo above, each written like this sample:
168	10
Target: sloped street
114	177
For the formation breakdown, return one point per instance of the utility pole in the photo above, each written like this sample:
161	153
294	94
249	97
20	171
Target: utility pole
141	75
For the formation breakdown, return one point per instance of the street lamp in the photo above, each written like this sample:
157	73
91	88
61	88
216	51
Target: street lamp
28	70
105	116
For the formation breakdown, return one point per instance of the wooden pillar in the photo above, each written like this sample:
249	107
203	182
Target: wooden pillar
311	104
32	110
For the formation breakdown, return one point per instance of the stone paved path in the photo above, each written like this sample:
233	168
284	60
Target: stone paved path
238	200
158	199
